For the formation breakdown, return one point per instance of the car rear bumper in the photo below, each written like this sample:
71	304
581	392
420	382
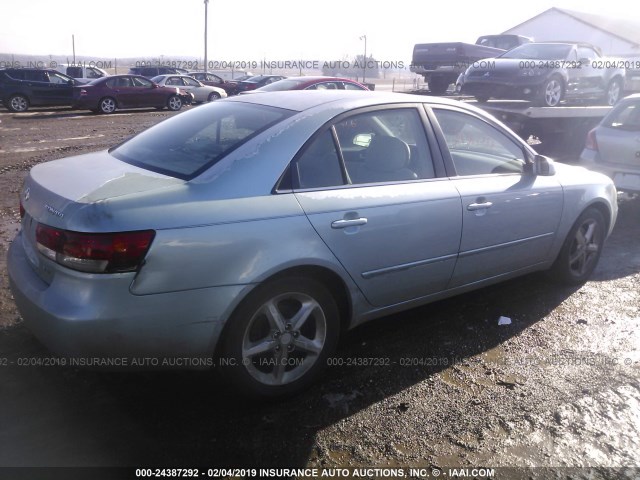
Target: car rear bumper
625	177
98	317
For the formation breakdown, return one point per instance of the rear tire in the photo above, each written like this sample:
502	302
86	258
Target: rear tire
278	340
18	103
107	105
614	92
581	250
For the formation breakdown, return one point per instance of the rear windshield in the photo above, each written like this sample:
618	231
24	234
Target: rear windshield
282	85
186	145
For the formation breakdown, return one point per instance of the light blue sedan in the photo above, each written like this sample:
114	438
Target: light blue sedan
253	231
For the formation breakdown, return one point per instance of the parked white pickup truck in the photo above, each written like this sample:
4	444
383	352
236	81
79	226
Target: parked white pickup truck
82	73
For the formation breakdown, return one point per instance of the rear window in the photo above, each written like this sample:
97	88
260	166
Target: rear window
624	117
282	85
188	144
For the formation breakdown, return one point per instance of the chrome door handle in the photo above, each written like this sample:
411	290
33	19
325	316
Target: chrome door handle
356	222
479	206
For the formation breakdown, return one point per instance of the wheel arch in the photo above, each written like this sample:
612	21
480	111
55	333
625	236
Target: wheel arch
603	209
618	76
329	279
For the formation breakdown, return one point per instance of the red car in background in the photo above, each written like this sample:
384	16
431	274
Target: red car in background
312	83
106	95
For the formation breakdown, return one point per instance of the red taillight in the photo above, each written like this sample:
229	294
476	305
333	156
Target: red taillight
591	143
83	92
94	252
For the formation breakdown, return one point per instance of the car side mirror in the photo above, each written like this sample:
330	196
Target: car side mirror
154	85
71	82
543	166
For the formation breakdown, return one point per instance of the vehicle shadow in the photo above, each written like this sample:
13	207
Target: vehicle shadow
59	416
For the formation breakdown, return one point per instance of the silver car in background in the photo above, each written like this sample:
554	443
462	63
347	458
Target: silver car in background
200	91
255	230
613	147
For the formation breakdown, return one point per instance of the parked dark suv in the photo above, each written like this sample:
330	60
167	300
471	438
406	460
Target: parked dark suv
151	72
21	88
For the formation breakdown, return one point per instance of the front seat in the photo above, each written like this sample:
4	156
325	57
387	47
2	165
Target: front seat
386	159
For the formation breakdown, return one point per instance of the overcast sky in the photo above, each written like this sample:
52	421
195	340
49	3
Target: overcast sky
257	29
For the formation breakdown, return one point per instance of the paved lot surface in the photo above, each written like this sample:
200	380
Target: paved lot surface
559	386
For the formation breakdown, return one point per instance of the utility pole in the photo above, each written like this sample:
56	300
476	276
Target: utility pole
73	44
206	4
364	68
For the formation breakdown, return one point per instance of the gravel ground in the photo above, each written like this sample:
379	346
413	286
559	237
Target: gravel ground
558	387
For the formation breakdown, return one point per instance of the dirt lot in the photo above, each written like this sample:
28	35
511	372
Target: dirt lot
558	387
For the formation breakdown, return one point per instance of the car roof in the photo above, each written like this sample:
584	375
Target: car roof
300	100
127	75
260	77
174	75
314	78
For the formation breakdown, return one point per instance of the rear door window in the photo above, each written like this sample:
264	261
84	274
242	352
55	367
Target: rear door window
379	146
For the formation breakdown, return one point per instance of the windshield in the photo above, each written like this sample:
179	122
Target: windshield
282	85
539	51
186	145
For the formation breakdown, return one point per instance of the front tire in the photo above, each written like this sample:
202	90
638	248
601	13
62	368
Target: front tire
213	96
279	338
18	103
552	92
107	105
174	103
581	250
614	92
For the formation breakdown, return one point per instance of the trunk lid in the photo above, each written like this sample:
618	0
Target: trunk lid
54	191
